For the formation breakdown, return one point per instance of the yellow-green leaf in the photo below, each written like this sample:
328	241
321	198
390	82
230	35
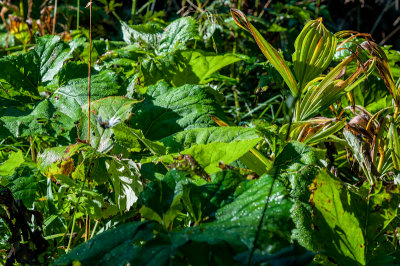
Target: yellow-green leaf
268	50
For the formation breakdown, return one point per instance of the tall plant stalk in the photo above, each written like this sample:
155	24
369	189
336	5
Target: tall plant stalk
89	67
133	12
55	18
87	229
78	5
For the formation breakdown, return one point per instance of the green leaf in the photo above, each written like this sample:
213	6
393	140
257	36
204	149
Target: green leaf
105	114
208	156
167	110
25	72
214	243
173	38
186	139
268	50
186	67
350	224
52	52
69	98
160	200
21	72
314	50
72	70
241	217
32	124
321	92
126	183
104	245
196	67
148	34
204	200
177	34
129	138
15	160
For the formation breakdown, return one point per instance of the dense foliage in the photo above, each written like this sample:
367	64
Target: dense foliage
191	147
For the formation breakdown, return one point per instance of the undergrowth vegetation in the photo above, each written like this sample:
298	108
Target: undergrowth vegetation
192	148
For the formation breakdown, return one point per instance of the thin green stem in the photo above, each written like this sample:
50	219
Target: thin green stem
89	70
133	12
94	229
77	14
72	232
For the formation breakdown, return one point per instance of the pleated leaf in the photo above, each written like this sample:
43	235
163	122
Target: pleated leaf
323	91
268	50
314	50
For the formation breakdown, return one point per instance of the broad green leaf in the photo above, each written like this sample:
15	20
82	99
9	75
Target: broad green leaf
296	156
186	67
188	138
147	34
314	50
296	165
167	110
159	68
95	205
74	161
148	244
160	200
105	114
196	67
101	246
241	217
222	241
52	53
268	50
69	98
126	183
15	160
129	138
25	72
208	156
174	37
177	34
125	57
24	184
32	124
256	161
21	73
202	201
72	70
350	225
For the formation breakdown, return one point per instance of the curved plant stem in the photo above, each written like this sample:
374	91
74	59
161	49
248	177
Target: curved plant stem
72	232
73	221
94	229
